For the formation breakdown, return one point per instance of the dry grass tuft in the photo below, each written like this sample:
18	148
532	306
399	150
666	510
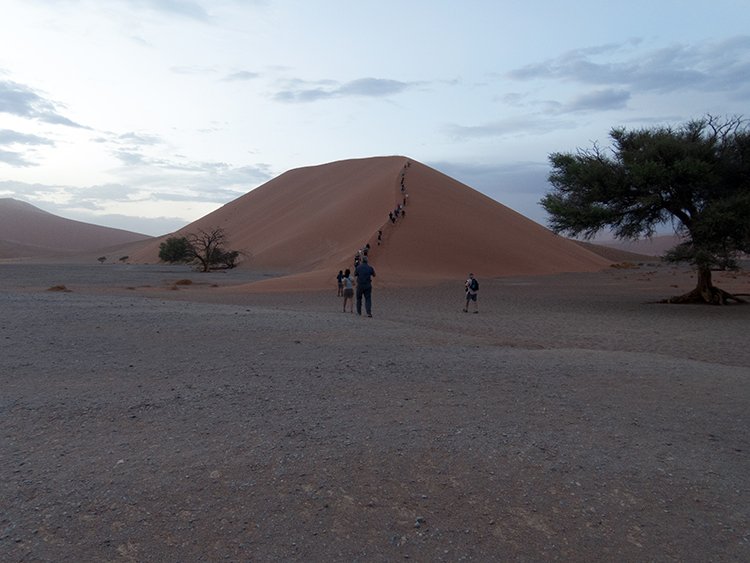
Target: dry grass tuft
60	287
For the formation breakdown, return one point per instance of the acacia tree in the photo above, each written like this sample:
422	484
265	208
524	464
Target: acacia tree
175	249
696	176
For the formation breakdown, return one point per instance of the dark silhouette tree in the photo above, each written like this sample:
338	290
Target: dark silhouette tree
229	258
207	248
696	176
204	247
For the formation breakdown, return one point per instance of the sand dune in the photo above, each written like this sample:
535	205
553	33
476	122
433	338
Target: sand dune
27	231
654	246
309	222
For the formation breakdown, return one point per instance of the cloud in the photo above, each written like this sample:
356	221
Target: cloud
512	126
184	8
140	138
613	74
600	100
8	137
362	87
129	158
205	186
241	76
21	101
205	180
372	87
127	147
92	196
14	159
154	226
36	191
135	151
708	66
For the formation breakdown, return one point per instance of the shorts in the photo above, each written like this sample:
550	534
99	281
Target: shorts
471	296
349	292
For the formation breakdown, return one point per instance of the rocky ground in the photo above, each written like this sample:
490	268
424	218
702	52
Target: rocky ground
571	419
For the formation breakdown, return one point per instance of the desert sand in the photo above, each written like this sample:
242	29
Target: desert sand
153	413
146	418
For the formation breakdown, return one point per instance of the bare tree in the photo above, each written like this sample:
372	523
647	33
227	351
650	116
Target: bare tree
206	247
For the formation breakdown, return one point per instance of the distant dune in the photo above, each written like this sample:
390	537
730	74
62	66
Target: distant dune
308	223
28	232
614	254
654	246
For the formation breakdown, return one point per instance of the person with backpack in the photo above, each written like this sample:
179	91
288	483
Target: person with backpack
472	287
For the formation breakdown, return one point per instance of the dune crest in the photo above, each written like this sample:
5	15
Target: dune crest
309	222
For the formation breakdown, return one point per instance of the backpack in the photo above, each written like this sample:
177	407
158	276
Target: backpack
474	285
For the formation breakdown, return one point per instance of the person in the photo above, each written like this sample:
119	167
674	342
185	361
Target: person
364	274
472	287
340	283
380	236
348	290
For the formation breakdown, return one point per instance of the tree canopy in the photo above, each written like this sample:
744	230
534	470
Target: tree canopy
175	249
695	176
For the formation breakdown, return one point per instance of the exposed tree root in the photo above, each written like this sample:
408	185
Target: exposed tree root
708	295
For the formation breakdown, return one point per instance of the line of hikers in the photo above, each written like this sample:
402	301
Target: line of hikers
364	272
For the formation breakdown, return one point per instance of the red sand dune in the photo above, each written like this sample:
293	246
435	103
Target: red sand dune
309	222
27	231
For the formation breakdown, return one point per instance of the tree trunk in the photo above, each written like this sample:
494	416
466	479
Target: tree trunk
705	287
705	292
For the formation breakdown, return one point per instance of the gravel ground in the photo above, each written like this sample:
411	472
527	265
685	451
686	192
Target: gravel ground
570	419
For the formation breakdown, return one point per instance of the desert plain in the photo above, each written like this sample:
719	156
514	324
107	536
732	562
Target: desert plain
154	413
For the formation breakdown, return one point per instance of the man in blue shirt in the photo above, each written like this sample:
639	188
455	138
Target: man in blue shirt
364	274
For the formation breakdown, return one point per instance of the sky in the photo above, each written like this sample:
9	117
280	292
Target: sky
148	114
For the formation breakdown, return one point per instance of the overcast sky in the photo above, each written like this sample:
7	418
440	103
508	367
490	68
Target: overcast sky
148	114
